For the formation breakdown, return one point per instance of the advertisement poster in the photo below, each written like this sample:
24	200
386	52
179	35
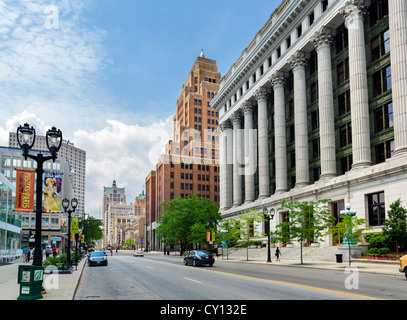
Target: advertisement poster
52	193
74	225
64	225
25	190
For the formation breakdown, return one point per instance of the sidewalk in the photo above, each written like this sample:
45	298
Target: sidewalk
61	286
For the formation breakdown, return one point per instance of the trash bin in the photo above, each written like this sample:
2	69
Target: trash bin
30	279
339	258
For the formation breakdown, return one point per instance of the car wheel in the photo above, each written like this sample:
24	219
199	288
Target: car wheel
406	273
185	262
194	263
211	264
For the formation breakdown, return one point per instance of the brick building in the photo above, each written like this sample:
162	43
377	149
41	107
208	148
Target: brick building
190	164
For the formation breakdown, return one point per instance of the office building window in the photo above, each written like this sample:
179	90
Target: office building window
377	213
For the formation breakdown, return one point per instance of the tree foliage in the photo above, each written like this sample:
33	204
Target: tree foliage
92	229
395	226
306	222
186	221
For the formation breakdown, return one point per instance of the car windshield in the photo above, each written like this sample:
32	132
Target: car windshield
201	253
97	254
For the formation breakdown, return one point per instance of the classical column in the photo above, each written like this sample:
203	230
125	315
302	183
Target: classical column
353	13
249	150
322	42
298	63
264	170
237	158
398	54
278	81
226	165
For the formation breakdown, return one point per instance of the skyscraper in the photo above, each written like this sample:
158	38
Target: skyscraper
190	164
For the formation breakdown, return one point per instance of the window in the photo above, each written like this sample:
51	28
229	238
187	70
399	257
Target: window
341	39
342	70
315	148
383	117
345	135
314	120
346	164
299	31
344	103
314	92
324	5
382	81
376	209
383	151
311	18
378	10
380	45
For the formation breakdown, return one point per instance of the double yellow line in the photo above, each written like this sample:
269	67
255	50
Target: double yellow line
280	282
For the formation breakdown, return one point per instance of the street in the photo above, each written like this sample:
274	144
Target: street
159	277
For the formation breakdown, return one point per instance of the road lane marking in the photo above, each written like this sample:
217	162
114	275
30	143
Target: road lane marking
192	280
277	282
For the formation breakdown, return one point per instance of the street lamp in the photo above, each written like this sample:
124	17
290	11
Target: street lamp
348	238
54	141
65	205
267	218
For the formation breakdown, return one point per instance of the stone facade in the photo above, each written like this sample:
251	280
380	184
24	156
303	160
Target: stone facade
321	91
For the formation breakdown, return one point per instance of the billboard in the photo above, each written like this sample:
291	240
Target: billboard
52	193
25	190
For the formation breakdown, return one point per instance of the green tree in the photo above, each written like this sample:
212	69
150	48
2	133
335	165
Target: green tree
246	223
307	222
395	226
350	227
229	232
92	229
186	221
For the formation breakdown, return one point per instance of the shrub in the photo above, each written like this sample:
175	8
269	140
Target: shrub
377	240
384	250
373	251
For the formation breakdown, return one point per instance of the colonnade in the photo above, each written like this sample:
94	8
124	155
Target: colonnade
239	154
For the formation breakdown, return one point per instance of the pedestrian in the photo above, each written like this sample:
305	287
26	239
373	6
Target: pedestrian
54	252
28	254
47	252
277	253
25	253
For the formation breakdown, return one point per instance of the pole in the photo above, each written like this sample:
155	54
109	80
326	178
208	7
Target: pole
68	251
37	259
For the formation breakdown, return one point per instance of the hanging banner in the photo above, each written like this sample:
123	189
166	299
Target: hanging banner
25	190
64	224
52	193
74	225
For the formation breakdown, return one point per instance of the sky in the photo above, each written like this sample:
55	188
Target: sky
108	73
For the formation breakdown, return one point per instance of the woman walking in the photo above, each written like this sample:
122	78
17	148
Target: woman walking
278	253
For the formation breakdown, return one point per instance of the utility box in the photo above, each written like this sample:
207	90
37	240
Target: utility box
30	279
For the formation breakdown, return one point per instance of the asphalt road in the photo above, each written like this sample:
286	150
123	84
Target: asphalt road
158	277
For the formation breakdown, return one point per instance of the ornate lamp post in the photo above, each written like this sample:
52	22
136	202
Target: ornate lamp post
54	140
348	238
267	218
65	205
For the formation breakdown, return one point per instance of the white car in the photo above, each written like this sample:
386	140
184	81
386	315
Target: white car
138	253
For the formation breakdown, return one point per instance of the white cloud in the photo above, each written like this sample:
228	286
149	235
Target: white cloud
49	77
123	152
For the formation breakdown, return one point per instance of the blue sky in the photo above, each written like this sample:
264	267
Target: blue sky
108	73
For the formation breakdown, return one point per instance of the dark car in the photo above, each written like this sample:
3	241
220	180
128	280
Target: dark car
97	258
199	258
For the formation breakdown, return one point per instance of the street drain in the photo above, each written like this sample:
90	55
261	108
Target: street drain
93	297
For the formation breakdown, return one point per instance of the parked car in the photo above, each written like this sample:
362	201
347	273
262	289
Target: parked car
138	253
403	265
97	258
199	258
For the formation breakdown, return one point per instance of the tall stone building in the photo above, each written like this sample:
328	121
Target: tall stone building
112	196
190	164
317	103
